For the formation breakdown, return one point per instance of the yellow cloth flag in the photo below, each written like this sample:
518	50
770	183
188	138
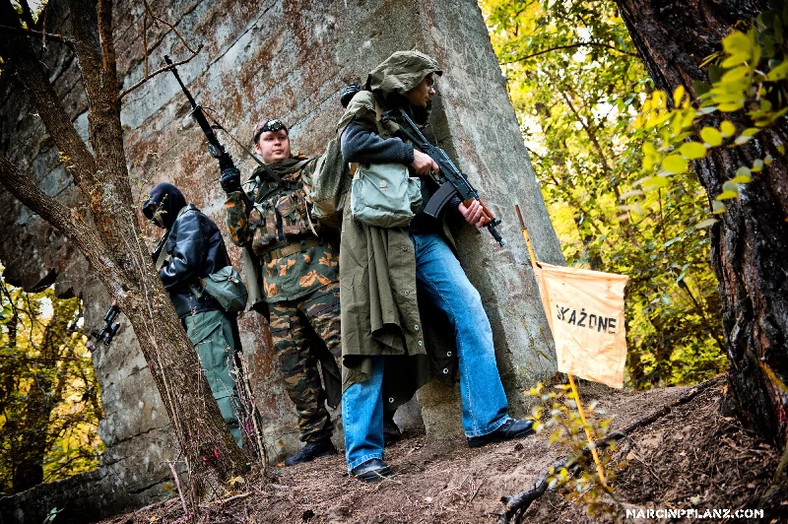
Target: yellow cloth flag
585	310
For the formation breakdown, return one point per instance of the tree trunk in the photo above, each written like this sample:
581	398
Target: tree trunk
111	239
750	243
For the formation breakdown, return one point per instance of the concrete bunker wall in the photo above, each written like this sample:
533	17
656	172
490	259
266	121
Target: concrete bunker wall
285	59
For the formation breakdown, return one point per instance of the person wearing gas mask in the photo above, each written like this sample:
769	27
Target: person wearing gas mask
192	248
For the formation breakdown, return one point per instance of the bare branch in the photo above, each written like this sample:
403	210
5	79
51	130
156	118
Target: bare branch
157	72
571	46
171	26
144	42
108	60
68	222
149	14
30	71
32	32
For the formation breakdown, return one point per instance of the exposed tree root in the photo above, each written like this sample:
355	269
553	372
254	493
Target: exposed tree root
516	505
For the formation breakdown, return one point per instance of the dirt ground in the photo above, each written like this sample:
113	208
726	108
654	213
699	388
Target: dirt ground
694	457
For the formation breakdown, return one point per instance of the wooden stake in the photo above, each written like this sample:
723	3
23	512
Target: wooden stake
594	454
588	432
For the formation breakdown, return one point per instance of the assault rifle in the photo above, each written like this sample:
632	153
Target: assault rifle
215	148
453	182
109	330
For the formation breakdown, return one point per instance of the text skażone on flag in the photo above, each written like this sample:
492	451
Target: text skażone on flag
585	310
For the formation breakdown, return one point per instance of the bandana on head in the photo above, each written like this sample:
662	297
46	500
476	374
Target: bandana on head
267	124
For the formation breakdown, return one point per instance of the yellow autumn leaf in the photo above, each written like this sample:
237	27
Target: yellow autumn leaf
711	136
693	150
727	128
654	182
674	164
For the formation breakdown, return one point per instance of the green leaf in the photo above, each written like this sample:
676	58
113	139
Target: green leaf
768	45
715	73
711	136
735	75
674	164
731	107
742	140
778	73
693	150
701	88
717	207
738	45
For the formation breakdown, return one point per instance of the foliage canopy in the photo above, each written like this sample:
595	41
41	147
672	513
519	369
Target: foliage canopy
577	85
49	398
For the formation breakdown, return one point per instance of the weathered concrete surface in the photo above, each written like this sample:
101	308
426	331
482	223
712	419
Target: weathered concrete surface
285	59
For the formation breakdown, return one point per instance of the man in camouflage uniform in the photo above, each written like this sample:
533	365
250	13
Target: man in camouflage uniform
299	280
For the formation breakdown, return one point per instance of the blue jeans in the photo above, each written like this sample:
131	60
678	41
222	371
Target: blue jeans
484	406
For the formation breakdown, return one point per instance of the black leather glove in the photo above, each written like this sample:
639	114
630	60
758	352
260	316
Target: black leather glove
347	93
231	180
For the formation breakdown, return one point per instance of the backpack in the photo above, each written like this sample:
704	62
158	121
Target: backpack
327	185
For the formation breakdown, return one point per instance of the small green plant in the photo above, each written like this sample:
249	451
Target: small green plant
577	479
747	79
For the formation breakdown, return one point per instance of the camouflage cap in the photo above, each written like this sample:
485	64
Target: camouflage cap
401	72
267	124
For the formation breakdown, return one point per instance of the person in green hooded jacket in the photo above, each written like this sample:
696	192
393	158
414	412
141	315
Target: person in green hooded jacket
393	278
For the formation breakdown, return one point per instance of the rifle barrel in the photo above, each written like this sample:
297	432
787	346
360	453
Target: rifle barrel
178	78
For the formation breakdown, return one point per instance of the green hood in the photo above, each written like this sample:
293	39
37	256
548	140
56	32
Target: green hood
401	72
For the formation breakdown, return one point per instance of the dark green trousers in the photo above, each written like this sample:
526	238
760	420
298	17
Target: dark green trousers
212	334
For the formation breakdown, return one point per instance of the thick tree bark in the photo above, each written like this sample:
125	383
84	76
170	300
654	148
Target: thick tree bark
750	243
111	241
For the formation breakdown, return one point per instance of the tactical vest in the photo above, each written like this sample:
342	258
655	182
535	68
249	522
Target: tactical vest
280	215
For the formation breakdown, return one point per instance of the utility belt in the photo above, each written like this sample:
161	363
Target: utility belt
289	249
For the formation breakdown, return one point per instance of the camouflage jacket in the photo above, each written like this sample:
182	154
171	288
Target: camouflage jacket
296	256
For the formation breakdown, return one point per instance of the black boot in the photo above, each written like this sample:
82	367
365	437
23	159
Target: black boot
391	432
311	451
510	430
372	470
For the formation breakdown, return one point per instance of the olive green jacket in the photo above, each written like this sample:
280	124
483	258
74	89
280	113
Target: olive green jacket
381	313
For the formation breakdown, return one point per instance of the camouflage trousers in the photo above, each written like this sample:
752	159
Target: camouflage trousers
303	330
212	334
